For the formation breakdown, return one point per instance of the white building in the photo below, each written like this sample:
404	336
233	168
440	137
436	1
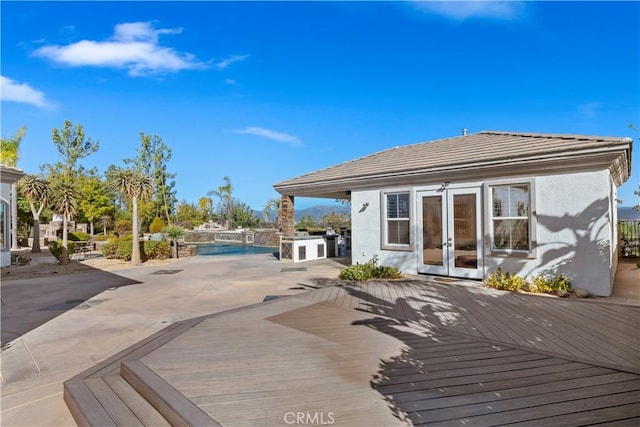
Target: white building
527	203
8	176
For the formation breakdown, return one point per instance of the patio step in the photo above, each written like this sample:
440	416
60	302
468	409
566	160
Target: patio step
122	391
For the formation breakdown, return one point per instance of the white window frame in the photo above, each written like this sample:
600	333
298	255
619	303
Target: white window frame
384	220
6	238
531	217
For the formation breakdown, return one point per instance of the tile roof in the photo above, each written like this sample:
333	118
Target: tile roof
483	148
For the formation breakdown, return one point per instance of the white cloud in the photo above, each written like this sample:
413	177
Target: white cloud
11	90
230	60
589	110
134	46
461	10
230	81
270	134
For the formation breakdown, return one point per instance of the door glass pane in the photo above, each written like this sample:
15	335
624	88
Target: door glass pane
432	230
464	231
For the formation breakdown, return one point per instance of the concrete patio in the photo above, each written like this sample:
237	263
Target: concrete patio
424	350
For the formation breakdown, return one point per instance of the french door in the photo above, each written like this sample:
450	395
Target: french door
450	238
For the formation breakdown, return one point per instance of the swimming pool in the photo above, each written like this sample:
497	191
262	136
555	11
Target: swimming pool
222	249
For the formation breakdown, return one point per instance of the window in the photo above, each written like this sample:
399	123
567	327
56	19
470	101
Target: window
397	219
510	217
3	226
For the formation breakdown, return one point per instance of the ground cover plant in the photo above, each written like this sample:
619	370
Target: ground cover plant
549	284
369	270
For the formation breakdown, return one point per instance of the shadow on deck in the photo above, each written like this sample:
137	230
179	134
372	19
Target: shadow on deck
382	353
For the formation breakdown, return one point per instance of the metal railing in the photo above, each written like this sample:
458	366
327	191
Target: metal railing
629	238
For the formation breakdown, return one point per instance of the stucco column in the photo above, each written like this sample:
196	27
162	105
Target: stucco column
288	216
14	216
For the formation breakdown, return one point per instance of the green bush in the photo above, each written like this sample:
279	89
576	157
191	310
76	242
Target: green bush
121	248
55	246
369	270
79	236
110	249
157	249
552	284
124	249
504	281
103	237
156	226
123	226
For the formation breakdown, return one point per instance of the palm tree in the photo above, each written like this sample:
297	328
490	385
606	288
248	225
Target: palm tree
9	153
224	193
271	205
174	233
36	191
105	221
206	205
65	202
134	186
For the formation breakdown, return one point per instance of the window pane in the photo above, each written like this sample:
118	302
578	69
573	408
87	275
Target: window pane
398	205
511	234
510	200
2	224
392	206
398	232
403	205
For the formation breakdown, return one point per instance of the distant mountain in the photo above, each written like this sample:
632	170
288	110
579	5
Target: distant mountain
628	213
316	212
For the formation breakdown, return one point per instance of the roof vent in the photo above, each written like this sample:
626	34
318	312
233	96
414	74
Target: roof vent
464	131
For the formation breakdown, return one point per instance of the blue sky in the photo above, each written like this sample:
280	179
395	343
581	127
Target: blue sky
264	91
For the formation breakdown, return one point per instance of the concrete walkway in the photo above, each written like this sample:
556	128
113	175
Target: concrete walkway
60	336
138	303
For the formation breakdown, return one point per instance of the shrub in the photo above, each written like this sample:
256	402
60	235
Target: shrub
123	226
103	237
386	272
110	249
55	246
504	281
156	226
121	248
79	236
369	270
157	249
551	284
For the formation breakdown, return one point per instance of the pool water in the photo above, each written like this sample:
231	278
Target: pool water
222	249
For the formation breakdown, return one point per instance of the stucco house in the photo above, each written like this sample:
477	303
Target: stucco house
8	176
528	203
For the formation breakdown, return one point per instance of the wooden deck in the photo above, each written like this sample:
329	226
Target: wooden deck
414	352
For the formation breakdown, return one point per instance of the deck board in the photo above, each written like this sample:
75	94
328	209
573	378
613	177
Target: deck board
407	352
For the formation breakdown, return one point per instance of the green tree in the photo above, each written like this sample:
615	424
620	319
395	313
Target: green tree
134	186
153	157
306	221
206	206
65	203
188	215
37	192
336	220
72	146
105	222
10	148
174	233
96	200
9	154
271	206
225	194
243	215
